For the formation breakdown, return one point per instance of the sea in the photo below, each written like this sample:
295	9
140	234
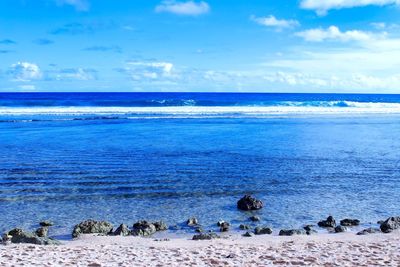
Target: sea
123	157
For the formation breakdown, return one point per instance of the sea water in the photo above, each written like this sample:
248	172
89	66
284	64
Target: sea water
123	157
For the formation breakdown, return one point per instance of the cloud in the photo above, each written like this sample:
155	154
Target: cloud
272	21
76	28
148	71
7	42
27	87
188	8
25	71
98	48
71	74
321	7
79	5
334	33
43	42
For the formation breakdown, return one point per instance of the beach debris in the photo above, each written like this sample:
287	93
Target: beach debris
143	228
192	221
291	232
369	231
349	222
122	230
391	223
46	223
340	229
21	236
248	234
262	230
160	225
255	219
329	222
205	236
223	226
92	227
42	231
249	203
244	227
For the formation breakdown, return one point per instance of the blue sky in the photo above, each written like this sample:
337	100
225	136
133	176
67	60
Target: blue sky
211	45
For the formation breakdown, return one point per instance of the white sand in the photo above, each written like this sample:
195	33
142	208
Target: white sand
344	249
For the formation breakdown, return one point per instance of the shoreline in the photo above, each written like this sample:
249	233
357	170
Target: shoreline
343	249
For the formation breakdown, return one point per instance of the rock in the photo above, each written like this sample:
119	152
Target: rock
199	230
192	221
248	234
349	222
255	219
6	239
224	227
329	222
291	232
160	226
391	223
311	232
92	227
249	203
122	230
260	230
380	222
244	227
369	231
143	228
46	223
42	231
340	229
20	236
310	229
205	236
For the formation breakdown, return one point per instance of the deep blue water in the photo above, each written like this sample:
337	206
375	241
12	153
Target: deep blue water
69	157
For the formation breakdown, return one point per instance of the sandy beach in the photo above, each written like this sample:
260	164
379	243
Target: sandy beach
345	249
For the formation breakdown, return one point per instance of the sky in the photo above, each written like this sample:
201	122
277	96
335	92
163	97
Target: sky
324	46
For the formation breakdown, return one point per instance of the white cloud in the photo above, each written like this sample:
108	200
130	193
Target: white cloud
188	8
334	33
25	71
72	74
272	21
323	6
79	5
149	71
27	87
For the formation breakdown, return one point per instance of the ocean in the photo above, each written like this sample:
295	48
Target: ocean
123	157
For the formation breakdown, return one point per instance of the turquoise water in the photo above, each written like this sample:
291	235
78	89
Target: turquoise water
120	157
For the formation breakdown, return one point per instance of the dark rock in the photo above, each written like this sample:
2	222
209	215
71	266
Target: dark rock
42	231
122	230
192	221
329	222
311	232
224	227
199	230
160	226
308	227
6	238
391	223
46	223
291	232
340	229
249	203
380	222
92	227
369	231
349	222
255	219
143	228
20	236
260	230
244	227
248	234
205	236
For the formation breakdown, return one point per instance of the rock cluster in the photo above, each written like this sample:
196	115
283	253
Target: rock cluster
329	222
249	203
20	236
390	224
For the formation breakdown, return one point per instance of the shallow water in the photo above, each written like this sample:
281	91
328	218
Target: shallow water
124	168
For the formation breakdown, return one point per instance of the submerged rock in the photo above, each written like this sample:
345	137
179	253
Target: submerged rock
244	227
205	236
20	236
329	222
143	228
369	231
349	222
340	229
192	221
46	223
262	230
291	232
42	231
249	203
122	230
391	223
255	219
92	227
